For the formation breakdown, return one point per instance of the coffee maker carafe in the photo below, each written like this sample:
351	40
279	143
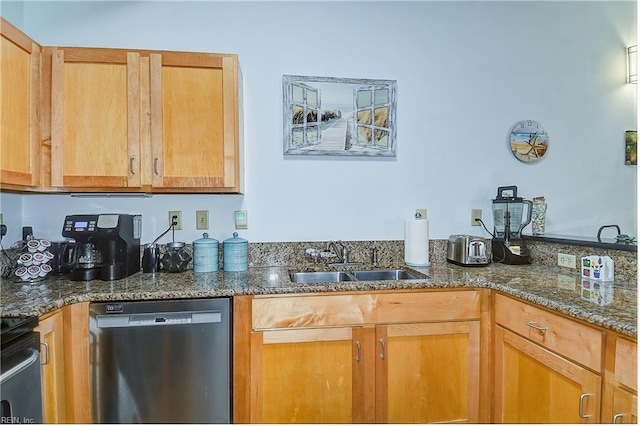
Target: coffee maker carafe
509	219
107	245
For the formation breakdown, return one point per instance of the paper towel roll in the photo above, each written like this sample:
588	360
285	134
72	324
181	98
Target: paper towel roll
416	242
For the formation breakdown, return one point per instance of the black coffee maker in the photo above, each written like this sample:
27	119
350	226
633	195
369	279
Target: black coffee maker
107	246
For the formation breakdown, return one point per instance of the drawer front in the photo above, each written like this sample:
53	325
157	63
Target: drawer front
569	338
358	309
626	369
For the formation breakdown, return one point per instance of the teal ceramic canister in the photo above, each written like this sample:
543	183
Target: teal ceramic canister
205	254
235	254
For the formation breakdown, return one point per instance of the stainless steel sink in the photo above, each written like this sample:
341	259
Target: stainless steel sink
365	275
385	274
320	277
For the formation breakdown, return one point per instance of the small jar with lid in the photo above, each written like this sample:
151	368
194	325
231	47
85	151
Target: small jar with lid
176	258
205	254
235	254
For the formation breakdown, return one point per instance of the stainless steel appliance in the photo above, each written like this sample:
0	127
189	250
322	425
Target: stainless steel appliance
509	220
20	381
161	361
467	250
107	245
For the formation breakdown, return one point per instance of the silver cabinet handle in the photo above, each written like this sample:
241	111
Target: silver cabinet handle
359	353
542	330
616	417
582	398
383	353
131	166
46	353
155	165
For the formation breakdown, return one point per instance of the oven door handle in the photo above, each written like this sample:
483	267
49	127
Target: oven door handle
34	356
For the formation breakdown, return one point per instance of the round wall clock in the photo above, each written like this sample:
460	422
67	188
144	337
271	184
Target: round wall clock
529	141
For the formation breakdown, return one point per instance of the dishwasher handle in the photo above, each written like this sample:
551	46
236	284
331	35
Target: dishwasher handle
158	319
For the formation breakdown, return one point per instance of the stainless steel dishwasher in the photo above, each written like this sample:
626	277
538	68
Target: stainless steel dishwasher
161	361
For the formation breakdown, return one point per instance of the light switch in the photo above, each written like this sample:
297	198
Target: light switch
241	219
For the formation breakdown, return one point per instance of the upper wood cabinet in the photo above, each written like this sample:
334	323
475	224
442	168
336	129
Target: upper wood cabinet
195	122
139	121
19	121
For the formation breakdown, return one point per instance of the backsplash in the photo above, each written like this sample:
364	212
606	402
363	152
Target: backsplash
392	253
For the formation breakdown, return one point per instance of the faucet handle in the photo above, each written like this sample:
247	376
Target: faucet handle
374	254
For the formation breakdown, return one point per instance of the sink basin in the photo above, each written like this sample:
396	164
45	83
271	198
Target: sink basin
320	277
366	275
385	274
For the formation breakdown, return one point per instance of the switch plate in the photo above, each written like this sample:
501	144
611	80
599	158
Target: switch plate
1	219
202	219
567	260
476	214
241	219
178	213
422	213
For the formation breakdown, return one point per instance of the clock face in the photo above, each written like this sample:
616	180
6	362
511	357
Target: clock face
529	141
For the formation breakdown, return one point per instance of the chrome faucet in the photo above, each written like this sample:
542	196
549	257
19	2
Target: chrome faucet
342	253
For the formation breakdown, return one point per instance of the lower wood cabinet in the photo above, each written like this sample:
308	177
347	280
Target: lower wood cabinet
307	375
620	401
51	332
535	385
547	367
366	358
428	372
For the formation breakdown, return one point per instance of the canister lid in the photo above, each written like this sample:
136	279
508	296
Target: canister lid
235	240
175	244
205	240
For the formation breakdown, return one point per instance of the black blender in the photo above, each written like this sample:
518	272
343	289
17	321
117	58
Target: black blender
507	245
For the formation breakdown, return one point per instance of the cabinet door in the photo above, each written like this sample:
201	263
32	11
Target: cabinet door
625	406
95	119
195	122
53	385
534	385
310	376
19	121
428	372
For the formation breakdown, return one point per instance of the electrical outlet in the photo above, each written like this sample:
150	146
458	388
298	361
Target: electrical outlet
567	260
476	214
421	213
178	214
202	219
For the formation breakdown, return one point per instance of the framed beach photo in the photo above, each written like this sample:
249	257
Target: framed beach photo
339	116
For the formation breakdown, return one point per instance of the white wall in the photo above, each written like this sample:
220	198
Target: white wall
466	73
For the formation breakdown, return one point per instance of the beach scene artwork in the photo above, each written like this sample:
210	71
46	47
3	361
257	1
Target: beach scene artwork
339	116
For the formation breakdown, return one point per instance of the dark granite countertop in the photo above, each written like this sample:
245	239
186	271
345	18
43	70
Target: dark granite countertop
610	305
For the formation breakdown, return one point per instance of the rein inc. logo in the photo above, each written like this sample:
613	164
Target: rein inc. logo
17	420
